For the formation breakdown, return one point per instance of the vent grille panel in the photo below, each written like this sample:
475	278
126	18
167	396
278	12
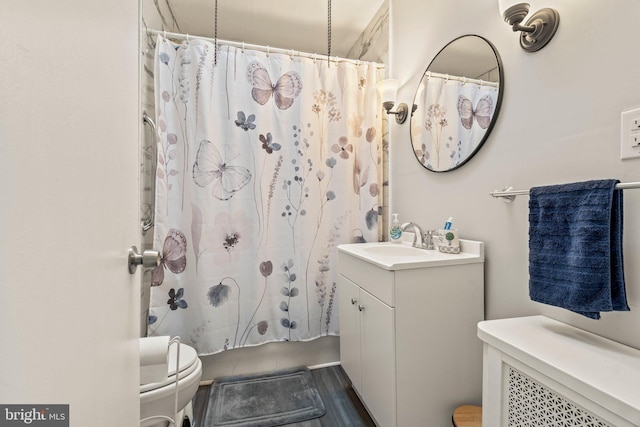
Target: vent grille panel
533	405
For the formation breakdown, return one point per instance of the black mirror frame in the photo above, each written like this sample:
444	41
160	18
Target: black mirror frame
495	113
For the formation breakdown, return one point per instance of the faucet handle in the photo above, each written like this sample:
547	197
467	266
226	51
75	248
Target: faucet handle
428	240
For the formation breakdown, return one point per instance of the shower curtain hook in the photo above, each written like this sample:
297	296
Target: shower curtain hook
292	54
164	34
446	79
481	82
242	47
267	51
187	37
464	81
315	56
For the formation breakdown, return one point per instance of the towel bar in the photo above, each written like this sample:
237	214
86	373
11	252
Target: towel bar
508	194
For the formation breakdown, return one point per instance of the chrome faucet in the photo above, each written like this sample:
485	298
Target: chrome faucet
417	234
420	240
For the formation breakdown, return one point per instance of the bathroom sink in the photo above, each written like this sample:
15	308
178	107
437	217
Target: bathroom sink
396	250
403	256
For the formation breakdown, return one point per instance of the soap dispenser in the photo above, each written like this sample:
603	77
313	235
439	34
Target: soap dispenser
395	232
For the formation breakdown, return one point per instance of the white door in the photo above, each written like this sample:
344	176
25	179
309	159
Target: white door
69	127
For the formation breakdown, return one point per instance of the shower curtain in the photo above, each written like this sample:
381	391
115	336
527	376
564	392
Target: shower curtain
453	121
266	162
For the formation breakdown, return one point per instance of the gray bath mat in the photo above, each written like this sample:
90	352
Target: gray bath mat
264	400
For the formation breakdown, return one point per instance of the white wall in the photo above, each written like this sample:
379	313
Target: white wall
559	122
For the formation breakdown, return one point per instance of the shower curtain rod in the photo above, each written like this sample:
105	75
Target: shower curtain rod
268	49
462	79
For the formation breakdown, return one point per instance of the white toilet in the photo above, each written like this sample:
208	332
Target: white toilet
158	399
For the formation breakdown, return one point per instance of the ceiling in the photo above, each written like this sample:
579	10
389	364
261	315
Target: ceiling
288	24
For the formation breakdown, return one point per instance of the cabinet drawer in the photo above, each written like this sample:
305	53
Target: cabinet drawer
377	281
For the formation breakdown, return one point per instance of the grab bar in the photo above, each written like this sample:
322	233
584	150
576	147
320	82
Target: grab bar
147	225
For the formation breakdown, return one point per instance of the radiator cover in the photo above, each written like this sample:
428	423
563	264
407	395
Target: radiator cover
538	372
531	404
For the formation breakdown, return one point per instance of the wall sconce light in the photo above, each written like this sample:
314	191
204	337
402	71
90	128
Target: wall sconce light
388	90
537	31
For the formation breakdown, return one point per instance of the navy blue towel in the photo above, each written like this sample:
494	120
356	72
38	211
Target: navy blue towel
575	247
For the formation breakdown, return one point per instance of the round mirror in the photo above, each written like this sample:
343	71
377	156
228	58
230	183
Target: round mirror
457	103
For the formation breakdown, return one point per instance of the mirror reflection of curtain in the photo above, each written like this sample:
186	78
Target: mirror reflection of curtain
266	162
453	121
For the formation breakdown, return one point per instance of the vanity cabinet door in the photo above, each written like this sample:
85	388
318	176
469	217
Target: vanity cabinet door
348	298
377	349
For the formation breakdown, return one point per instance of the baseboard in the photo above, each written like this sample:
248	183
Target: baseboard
324	365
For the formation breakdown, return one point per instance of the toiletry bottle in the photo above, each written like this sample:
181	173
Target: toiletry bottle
394	231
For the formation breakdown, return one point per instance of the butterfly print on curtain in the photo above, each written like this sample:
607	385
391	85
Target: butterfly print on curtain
210	168
286	88
173	257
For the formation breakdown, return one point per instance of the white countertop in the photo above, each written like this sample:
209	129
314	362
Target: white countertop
472	252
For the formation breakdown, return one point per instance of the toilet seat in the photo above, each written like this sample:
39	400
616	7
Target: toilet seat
188	364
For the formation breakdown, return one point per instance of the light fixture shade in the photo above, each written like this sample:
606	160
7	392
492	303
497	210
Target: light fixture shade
388	90
506	4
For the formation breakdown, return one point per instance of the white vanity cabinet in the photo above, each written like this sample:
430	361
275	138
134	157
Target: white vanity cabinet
408	331
367	340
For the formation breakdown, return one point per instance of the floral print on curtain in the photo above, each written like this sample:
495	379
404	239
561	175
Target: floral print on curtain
265	164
